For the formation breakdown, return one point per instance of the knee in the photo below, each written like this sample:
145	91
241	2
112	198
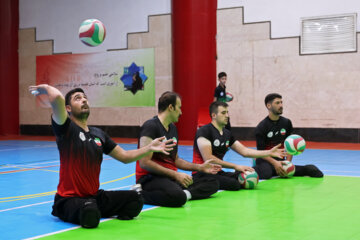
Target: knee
176	198
235	186
211	185
132	208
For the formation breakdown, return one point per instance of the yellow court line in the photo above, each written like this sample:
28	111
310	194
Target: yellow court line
118	179
22	169
35	195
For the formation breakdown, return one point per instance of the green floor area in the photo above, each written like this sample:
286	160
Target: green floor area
297	208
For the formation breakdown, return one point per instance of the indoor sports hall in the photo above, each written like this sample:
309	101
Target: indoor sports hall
126	53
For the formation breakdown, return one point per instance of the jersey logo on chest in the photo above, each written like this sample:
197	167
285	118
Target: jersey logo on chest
82	136
283	131
97	141
216	142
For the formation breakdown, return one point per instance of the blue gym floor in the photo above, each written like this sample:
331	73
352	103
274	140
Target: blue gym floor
29	177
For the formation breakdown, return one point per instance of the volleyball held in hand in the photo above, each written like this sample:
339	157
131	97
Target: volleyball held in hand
92	32
229	97
294	144
289	168
248	180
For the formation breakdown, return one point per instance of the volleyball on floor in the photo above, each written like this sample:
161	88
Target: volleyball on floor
294	144
289	168
248	180
229	97
92	32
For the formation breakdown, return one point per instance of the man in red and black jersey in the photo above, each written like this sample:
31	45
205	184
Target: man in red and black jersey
271	131
78	199
157	173
213	140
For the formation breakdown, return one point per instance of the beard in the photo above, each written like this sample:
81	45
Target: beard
83	114
277	112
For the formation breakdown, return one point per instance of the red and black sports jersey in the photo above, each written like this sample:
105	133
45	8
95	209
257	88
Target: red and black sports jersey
219	143
270	133
81	154
220	93
153	128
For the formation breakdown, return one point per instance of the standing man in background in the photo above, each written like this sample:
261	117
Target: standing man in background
220	93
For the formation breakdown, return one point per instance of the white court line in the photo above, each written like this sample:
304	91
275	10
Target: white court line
341	171
26	148
30	205
341	176
68	229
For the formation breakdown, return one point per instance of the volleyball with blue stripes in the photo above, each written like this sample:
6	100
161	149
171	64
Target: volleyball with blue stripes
294	144
92	32
248	180
289	168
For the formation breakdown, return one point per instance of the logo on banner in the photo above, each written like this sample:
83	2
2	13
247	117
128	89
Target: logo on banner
134	78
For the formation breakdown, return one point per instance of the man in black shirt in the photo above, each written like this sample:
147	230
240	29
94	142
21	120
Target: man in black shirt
271	131
78	199
157	173
213	140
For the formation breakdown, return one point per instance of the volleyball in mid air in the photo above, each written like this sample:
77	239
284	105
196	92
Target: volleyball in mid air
294	144
92	32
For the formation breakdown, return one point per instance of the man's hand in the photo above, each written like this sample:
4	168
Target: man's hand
159	145
209	167
241	168
38	90
276	152
279	169
184	179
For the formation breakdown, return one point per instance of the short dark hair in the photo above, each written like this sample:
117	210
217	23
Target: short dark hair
215	105
221	74
270	97
166	99
70	93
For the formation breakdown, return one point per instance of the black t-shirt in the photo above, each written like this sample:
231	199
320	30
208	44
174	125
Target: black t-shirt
81	154
153	128
220	93
270	133
219	143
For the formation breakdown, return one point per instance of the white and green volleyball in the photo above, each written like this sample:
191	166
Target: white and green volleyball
229	97
289	168
294	144
248	180
92	32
